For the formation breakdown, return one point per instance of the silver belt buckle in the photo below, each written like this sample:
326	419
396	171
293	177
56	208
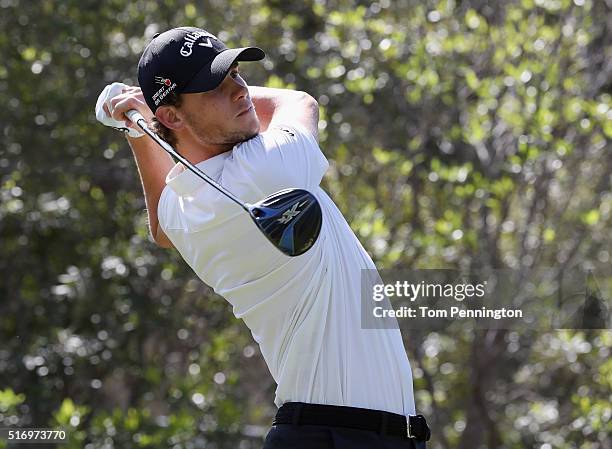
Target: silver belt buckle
408	427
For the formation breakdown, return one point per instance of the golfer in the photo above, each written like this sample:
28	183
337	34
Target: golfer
339	386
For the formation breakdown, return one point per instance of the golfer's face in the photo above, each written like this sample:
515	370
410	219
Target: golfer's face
224	115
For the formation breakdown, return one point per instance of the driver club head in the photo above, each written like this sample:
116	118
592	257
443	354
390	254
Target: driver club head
291	219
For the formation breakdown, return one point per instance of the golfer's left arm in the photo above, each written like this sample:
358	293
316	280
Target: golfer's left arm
285	106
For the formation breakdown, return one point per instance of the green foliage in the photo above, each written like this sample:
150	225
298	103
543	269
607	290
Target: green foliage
9	400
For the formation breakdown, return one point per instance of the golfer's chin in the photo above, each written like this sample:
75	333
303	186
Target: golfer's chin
251	124
247	130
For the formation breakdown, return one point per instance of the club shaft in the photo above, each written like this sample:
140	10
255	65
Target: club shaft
137	118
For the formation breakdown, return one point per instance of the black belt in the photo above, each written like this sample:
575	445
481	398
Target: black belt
385	423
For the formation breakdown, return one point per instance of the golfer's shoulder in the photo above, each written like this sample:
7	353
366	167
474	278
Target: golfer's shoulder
284	137
293	132
285	155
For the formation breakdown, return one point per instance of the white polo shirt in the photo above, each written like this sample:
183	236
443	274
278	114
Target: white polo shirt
304	311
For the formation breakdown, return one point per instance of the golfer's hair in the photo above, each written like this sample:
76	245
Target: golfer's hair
172	99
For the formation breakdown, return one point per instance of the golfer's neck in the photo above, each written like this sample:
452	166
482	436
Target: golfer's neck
196	152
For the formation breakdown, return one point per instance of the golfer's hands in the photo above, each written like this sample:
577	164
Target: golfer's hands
114	101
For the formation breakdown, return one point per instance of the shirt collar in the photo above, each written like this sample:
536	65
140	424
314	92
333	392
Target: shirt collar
184	182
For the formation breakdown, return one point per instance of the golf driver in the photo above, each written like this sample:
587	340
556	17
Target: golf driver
290	219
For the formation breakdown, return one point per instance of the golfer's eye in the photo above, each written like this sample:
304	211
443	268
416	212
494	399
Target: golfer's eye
235	72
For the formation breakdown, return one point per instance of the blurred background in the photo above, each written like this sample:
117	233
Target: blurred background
461	134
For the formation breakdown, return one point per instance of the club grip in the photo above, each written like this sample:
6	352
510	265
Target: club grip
134	116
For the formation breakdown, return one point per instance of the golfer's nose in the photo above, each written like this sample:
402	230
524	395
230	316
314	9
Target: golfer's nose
240	86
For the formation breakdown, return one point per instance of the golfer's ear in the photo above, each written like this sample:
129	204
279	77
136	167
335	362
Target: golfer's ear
168	117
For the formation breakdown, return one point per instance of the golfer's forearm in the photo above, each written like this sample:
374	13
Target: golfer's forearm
153	166
269	101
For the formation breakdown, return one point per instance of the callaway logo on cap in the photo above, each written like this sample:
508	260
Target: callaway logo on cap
187	60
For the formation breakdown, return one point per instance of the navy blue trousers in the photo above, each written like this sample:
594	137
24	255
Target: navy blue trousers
289	436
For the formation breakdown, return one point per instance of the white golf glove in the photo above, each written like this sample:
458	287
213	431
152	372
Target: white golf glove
110	92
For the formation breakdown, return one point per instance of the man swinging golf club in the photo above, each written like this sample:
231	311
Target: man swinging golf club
339	386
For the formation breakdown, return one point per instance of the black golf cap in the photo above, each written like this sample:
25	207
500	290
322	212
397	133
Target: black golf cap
187	60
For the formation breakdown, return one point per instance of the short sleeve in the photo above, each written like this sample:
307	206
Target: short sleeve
285	156
166	215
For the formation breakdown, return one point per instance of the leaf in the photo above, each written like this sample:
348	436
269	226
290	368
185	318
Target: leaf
591	217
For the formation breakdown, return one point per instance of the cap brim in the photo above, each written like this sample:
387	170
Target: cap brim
211	75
